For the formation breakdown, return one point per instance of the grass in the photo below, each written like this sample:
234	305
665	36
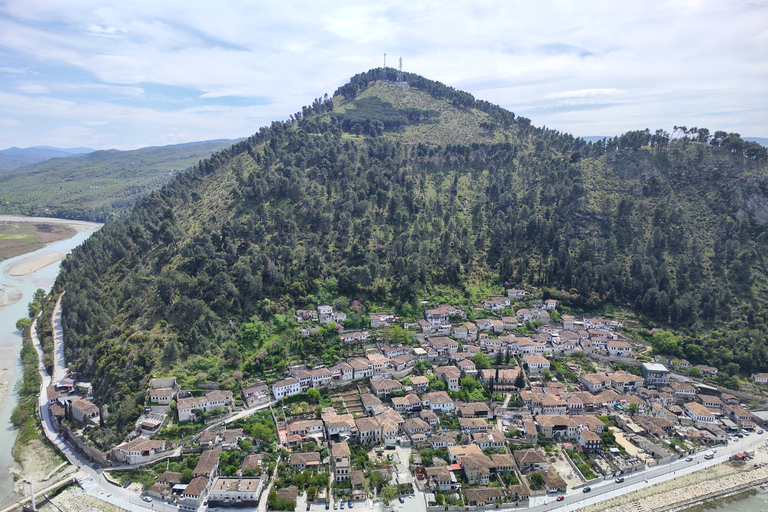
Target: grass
18	238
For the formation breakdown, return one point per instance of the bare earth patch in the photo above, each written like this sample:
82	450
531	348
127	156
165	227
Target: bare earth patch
22	237
37	460
74	499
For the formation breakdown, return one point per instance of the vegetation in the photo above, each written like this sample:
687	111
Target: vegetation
201	279
98	186
23	416
18	238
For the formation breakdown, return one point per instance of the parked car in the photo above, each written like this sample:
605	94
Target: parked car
342	506
335	505
308	505
689	459
759	432
400	499
560	498
640	451
327	505
620	479
147	499
587	489
350	504
126	484
389	456
95	466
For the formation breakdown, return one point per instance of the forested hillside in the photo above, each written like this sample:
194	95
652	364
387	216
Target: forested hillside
382	196
98	186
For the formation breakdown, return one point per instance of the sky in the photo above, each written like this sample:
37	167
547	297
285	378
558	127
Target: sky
80	73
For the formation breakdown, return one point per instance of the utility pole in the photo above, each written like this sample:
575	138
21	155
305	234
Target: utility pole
32	494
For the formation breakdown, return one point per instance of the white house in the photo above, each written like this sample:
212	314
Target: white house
286	387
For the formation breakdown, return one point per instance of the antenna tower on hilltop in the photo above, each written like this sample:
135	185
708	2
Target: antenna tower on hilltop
400	73
384	71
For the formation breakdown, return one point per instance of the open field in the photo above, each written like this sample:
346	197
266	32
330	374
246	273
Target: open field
22	237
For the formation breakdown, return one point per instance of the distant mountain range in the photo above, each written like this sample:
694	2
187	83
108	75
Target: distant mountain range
13	158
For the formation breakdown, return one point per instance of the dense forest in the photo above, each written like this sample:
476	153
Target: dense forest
334	204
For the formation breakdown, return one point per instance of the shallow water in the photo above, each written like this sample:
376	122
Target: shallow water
756	503
11	338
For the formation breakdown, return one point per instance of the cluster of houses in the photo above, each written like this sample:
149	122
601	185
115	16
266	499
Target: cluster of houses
243	489
66	401
402	407
400	411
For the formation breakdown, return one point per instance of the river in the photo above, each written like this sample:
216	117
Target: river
757	503
10	337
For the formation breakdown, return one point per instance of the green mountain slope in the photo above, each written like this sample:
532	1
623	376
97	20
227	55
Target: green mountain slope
97	186
382	197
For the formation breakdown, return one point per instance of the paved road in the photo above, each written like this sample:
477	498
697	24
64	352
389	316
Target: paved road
576	499
60	368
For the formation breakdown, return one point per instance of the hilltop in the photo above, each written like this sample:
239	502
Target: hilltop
381	197
96	186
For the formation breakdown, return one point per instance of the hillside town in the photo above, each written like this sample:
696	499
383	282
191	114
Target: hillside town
499	410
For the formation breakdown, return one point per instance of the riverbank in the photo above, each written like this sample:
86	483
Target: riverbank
75	499
8	296
690	491
21	235
32	264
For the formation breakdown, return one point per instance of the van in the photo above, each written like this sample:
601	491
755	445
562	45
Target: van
709	454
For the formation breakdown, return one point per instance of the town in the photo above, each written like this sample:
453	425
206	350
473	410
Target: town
499	411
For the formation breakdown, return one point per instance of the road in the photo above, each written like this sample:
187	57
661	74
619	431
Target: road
576	499
92	480
60	368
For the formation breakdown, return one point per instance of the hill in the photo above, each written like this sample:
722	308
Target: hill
96	186
14	157
384	196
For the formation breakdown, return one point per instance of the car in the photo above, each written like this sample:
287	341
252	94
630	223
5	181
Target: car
126	484
308	505
327	505
147	499
620	479
335	505
400	499
759	432
349	504
640	451
95	466
342	506
389	456
587	489
560	498
689	459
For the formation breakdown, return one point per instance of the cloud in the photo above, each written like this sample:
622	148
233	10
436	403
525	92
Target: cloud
34	88
191	68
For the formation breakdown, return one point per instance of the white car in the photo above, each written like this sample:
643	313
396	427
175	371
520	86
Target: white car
146	498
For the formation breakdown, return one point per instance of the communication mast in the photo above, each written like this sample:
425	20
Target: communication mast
402	84
384	71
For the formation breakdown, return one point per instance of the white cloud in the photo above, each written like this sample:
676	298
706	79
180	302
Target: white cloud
34	88
591	69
